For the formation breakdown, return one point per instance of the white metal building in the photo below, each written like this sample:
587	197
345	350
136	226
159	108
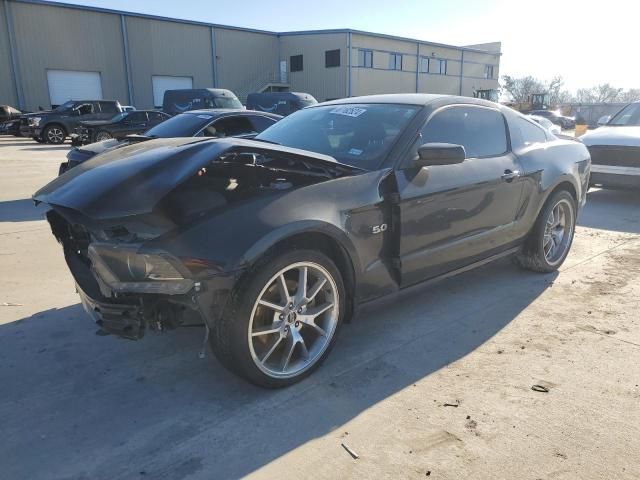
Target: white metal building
53	52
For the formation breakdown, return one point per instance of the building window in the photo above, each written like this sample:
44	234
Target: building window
441	66
395	61
365	58
295	63
332	58
424	64
488	71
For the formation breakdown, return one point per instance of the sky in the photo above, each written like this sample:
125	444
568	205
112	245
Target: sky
587	42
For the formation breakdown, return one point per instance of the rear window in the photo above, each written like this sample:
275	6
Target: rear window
183	125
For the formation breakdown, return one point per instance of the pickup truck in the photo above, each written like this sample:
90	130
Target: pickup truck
54	126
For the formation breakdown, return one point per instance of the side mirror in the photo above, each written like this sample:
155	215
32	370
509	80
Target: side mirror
440	154
603	120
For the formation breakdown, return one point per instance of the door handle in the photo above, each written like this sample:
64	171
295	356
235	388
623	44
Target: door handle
510	175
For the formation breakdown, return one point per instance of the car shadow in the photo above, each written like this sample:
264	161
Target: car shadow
47	148
600	204
23	210
77	405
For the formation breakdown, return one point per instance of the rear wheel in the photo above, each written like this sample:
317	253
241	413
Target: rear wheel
550	240
283	320
54	134
102	136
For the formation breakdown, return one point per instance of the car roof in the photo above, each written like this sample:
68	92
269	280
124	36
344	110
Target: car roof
218	112
421	99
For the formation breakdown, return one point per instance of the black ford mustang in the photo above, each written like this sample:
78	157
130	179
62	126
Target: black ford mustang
273	242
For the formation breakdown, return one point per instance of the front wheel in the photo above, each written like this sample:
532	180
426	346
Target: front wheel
101	136
549	242
283	319
54	134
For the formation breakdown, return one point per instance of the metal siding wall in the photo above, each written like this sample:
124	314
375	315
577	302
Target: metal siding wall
7	87
167	48
67	39
321	82
246	61
474	65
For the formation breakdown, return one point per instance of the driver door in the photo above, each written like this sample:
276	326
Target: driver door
454	215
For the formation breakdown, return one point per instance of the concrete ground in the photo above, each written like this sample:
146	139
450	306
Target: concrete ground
437	383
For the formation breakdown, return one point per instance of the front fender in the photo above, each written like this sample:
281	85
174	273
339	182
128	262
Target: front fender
284	232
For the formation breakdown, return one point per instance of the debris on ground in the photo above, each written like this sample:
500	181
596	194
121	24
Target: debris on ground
455	405
353	454
539	388
11	304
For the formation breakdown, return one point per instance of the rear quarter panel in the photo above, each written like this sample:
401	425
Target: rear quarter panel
545	166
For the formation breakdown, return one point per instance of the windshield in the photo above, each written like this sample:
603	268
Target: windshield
357	134
628	116
183	125
226	102
119	116
65	106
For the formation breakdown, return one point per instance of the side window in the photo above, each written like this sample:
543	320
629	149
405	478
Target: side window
261	123
525	133
108	107
481	131
156	117
136	117
85	108
229	127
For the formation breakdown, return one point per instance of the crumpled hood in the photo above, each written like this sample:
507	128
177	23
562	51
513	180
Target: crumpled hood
131	180
619	136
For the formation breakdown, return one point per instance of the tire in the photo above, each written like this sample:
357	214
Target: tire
560	211
103	135
262	343
54	134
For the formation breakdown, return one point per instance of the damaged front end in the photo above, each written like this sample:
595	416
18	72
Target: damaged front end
129	223
128	289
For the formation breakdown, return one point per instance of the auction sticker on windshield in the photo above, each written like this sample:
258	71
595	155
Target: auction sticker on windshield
349	111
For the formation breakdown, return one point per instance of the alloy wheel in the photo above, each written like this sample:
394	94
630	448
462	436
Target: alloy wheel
293	320
102	136
55	135
558	231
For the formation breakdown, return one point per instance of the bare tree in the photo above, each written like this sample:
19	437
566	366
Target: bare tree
631	95
520	88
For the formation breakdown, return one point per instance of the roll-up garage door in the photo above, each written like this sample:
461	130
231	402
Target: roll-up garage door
65	85
162	83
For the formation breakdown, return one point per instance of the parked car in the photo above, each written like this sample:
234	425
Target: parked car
564	122
197	123
273	242
282	103
546	123
180	101
53	126
9	120
118	127
615	150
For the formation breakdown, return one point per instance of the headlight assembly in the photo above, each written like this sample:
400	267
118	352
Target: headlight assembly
35	121
125	270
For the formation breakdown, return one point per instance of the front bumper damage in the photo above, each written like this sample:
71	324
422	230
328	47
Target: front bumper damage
130	314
